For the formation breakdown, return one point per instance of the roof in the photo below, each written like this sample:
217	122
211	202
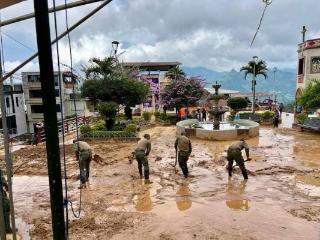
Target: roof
249	94
309	44
7	3
152	66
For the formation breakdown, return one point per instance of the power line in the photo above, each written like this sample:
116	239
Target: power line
267	2
17	41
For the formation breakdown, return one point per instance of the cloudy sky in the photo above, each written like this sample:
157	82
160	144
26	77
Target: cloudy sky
215	34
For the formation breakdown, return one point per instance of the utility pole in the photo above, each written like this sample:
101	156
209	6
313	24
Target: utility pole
275	69
7	153
50	117
304	30
254	84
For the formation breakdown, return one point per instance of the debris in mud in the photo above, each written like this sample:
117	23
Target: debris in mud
311	213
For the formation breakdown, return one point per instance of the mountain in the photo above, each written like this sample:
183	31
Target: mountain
284	84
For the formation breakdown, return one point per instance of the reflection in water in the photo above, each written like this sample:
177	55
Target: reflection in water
235	200
143	202
183	198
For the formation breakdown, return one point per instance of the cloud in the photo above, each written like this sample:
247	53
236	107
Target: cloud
213	34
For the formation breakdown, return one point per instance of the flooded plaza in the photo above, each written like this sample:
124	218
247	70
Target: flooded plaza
279	201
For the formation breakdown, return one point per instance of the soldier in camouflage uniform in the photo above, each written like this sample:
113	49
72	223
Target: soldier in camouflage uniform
84	155
5	203
183	148
234	154
141	152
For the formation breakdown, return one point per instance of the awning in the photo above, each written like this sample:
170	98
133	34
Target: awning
7	3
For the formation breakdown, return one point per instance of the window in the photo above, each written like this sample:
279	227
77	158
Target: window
33	78
57	93
56	80
36	109
17	101
8	102
39	108
58	108
301	66
35	93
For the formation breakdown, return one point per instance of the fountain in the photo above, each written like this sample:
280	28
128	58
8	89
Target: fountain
215	110
218	130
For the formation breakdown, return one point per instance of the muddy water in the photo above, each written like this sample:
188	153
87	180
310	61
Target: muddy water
279	201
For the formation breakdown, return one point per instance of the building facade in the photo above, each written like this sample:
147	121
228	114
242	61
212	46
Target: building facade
308	64
15	110
154	73
71	103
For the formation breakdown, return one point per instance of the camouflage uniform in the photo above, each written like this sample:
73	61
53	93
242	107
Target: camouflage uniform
142	151
183	146
234	153
6	204
84	155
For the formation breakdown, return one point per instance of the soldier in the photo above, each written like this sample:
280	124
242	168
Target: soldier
141	152
5	203
84	155
234	153
183	149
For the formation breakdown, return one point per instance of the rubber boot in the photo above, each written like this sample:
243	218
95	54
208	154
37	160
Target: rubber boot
245	174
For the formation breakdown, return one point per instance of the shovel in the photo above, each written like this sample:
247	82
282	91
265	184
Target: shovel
176	160
247	160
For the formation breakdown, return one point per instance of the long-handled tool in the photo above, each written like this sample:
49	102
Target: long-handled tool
247	160
175	162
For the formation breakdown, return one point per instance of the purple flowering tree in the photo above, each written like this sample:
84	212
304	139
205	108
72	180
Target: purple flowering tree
183	92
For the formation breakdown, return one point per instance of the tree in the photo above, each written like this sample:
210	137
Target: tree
176	73
310	97
255	68
183	92
109	111
106	83
236	103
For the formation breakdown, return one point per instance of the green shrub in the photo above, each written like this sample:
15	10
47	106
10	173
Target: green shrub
109	111
163	116
118	127
99	126
237	103
131	128
157	114
85	129
108	134
146	116
301	117
267	115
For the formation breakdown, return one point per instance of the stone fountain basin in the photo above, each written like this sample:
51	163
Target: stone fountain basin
247	129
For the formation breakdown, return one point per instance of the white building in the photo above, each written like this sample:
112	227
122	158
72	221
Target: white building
15	110
308	64
33	98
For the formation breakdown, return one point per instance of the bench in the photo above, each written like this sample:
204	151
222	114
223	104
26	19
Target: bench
311	124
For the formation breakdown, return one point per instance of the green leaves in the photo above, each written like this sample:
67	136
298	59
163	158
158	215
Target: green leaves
259	68
108	82
237	103
310	98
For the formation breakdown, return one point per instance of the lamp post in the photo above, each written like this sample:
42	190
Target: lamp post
275	69
255	58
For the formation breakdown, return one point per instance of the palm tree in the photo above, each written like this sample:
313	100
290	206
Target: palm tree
255	68
176	73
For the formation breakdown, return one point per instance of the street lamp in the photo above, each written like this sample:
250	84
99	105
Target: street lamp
115	45
255	58
275	69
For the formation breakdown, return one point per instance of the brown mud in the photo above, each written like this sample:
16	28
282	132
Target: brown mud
281	199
